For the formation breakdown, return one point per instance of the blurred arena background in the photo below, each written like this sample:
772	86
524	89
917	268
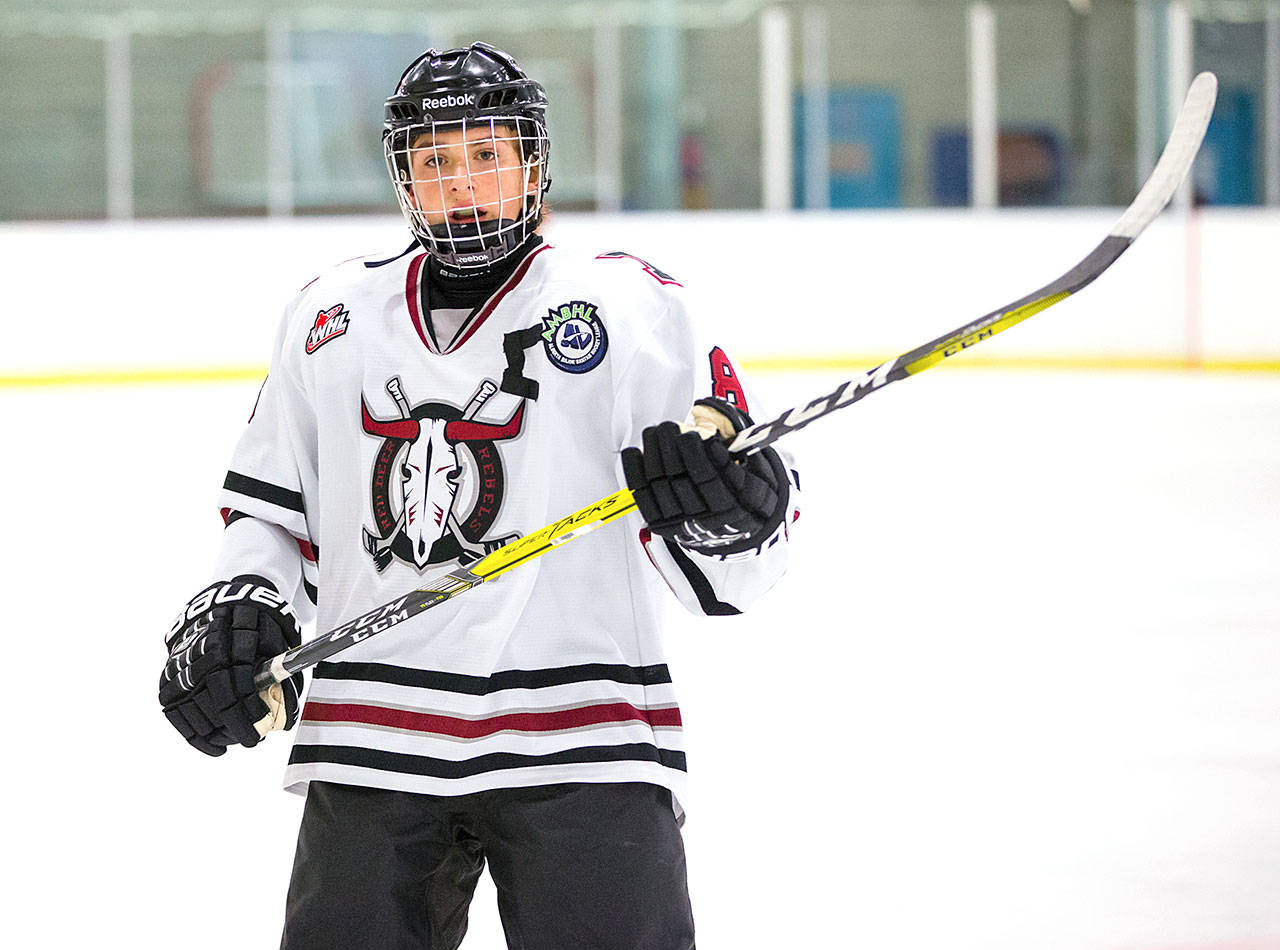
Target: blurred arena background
1034	629
183	109
180	109
968	149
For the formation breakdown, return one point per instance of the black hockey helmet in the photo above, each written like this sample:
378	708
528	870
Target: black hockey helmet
476	90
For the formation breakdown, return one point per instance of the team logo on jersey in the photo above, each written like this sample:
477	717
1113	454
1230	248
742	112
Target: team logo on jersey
574	337
437	481
329	324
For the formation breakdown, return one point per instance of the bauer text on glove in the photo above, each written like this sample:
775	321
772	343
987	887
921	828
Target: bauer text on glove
206	688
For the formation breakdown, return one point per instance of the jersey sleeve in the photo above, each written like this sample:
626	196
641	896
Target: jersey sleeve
272	475
669	370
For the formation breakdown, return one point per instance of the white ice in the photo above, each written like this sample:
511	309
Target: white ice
1020	689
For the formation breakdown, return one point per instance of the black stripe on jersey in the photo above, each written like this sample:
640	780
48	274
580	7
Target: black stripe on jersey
481	764
233	516
264	491
504	679
310	590
711	606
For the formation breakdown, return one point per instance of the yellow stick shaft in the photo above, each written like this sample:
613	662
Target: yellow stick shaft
555	534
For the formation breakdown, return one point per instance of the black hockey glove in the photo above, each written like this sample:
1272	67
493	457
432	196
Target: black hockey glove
207	688
690	489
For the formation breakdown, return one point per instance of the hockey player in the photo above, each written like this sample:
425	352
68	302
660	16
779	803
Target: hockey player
418	413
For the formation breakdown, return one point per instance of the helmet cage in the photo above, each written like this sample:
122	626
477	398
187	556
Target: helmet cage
480	95
457	191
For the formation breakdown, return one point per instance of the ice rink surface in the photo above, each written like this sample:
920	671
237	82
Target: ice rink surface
1020	689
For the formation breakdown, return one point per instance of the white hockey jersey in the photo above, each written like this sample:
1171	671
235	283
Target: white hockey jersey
378	455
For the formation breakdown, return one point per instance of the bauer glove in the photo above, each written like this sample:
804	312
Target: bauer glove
207	688
691	490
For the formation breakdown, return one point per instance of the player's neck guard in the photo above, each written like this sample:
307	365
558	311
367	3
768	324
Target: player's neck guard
469	288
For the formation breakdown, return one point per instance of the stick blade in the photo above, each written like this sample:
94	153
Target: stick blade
1176	159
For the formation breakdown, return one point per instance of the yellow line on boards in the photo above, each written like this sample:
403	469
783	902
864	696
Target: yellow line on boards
849	364
132	377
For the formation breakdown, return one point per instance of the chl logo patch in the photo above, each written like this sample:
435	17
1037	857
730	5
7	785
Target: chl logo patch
574	337
329	324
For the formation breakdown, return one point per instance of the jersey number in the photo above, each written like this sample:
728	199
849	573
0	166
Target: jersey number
724	381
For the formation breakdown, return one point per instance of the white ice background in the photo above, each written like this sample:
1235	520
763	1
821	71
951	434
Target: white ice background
1020	688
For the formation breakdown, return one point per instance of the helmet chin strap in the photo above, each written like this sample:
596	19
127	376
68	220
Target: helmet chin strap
477	245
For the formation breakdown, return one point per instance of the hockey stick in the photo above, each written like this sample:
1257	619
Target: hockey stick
1175	161
1170	170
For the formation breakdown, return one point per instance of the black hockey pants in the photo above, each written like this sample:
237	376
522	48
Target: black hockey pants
576	866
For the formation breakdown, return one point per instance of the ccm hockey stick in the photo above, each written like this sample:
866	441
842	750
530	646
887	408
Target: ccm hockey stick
1173	166
1170	170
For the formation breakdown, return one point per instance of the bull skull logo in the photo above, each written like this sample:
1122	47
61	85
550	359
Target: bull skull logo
437	482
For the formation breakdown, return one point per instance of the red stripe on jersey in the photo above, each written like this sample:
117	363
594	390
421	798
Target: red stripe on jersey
645	537
306	548
557	720
411	296
489	307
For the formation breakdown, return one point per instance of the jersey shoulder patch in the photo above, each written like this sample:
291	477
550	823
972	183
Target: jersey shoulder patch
323	310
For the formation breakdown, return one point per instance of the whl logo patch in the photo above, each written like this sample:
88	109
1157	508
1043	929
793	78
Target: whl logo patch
574	337
329	324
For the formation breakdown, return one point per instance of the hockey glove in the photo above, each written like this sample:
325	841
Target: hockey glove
690	489
207	688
